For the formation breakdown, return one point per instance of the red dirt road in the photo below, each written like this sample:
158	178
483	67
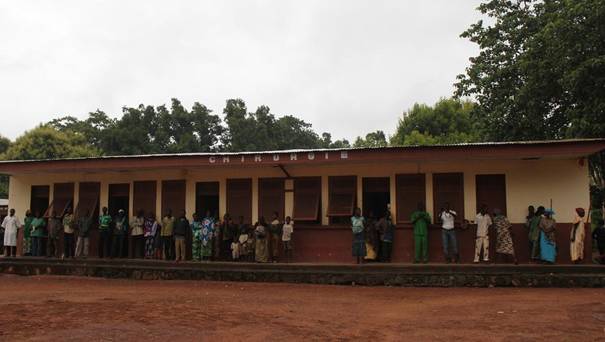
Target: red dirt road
75	309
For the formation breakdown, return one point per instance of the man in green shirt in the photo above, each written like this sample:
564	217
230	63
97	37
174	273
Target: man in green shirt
421	220
27	231
166	233
39	235
104	234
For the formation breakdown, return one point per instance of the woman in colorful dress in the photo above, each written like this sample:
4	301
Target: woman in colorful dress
505	247
206	236
196	238
548	244
150	227
577	235
358	228
261	252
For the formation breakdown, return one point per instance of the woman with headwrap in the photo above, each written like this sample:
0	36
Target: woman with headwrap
577	234
548	244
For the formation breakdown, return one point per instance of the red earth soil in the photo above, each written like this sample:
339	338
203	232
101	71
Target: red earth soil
91	309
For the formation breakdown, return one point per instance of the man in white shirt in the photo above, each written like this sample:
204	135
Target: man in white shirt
448	234
484	221
10	224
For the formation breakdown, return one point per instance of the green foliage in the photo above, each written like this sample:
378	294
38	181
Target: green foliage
147	129
3	186
373	139
449	121
326	142
261	130
45	142
540	71
4	144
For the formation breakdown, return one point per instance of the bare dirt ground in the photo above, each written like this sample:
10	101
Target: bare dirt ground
76	309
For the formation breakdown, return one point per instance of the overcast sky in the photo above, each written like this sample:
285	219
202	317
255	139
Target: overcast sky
348	67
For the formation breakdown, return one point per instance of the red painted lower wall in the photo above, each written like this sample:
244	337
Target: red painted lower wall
321	244
333	244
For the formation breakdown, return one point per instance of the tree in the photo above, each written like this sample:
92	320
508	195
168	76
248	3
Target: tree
373	139
448	121
540	70
45	142
539	74
147	129
262	131
4	144
326	142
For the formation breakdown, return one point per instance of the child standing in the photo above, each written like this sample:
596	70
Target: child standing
244	243
287	231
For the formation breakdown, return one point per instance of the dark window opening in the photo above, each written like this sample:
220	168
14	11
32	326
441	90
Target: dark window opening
39	199
173	197
376	196
119	198
448	188
411	190
271	198
307	200
207	198
144	197
239	199
491	191
342	194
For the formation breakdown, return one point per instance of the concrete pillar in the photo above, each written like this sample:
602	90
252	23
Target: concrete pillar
254	199
429	195
325	220
158	199
76	194
289	197
189	197
131	199
393	196
222	197
103	195
470	196
359	192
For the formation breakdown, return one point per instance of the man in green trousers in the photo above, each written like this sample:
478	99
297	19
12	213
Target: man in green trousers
421	220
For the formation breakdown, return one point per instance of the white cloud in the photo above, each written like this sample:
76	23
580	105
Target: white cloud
348	67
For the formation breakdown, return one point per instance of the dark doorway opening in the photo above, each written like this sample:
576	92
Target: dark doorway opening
207	198
63	197
39	199
119	198
491	191
376	196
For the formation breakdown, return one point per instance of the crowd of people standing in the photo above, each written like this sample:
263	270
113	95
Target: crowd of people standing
208	238
540	224
168	238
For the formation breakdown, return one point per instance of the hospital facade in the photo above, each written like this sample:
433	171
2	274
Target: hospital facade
320	188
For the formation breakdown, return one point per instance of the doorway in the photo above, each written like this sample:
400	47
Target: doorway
39	199
119	198
376	196
207	198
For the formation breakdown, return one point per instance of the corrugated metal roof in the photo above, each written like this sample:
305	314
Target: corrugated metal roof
409	147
